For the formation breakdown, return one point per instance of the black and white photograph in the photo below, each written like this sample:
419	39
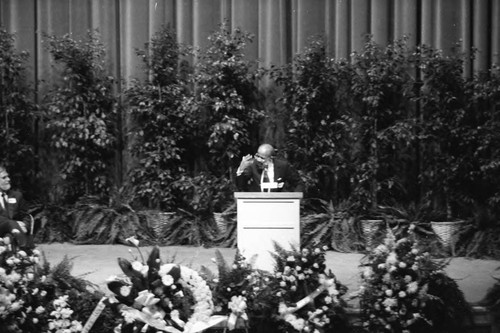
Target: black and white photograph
250	166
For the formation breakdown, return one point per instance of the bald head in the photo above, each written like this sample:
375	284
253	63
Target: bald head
264	155
265	150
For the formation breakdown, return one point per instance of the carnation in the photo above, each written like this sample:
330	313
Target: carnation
412	287
125	291
167	280
390	302
392	258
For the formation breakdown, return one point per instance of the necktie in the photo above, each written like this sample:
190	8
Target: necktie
264	178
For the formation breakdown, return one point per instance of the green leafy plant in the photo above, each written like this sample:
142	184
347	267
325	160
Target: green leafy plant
492	301
55	223
383	86
17	115
314	93
197	198
159	124
223	109
81	116
202	194
483	138
187	228
238	290
331	226
480	239
445	121
97	222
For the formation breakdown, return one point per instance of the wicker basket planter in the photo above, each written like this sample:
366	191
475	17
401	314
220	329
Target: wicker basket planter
223	218
447	231
160	221
370	228
220	221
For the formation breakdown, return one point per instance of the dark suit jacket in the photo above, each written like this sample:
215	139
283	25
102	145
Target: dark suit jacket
249	180
16	210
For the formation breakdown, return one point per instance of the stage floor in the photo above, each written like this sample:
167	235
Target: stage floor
97	262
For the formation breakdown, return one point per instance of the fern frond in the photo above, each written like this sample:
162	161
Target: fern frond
61	274
115	229
222	265
87	224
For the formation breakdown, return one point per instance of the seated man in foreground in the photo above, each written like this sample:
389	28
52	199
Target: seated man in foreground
14	219
266	173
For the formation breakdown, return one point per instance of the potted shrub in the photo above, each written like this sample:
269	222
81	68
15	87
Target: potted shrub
158	123
383	89
482	133
80	116
443	100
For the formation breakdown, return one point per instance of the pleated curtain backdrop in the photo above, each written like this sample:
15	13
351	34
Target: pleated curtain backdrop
281	27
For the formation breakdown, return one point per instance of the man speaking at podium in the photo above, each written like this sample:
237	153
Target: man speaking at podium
266	173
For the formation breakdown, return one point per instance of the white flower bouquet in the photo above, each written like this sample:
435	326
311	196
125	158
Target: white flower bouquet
404	290
29	300
310	298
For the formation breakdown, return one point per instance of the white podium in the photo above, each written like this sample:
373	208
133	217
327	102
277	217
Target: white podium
264	217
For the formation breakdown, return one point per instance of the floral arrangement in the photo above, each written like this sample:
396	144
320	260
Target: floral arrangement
29	300
310	298
300	296
154	296
239	291
61	317
404	290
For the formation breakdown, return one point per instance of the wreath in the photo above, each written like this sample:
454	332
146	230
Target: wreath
152	297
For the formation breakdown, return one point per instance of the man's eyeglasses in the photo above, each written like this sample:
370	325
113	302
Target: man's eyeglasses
259	157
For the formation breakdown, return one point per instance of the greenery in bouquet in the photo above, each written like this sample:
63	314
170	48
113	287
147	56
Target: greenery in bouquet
239	292
154	296
307	296
405	290
32	297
